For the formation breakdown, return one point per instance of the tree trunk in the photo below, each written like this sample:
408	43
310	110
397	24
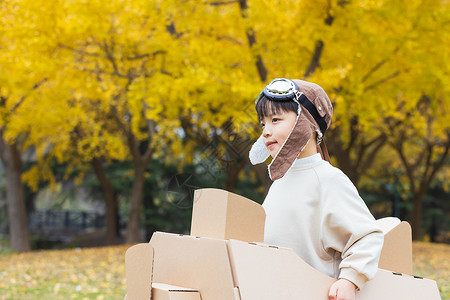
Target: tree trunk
233	169
134	216
417	217
337	149
417	211
140	161
18	227
112	224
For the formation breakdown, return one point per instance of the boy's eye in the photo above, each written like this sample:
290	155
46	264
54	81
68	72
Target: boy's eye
275	119
261	124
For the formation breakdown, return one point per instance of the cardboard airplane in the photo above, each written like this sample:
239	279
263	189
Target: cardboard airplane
224	257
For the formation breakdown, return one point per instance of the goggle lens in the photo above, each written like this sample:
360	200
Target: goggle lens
280	87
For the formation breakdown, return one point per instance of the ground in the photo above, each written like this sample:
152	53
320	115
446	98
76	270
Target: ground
99	273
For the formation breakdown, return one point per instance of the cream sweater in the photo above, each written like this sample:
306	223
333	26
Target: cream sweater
317	211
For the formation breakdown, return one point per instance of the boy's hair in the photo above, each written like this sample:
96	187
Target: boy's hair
266	107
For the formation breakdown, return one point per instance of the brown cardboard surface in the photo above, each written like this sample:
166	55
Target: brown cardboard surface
209	267
396	254
162	291
263	272
224	215
237	270
138	269
198	263
388	285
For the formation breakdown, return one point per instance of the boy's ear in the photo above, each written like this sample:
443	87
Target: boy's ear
259	152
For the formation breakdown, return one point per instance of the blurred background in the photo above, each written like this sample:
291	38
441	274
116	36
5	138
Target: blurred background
113	112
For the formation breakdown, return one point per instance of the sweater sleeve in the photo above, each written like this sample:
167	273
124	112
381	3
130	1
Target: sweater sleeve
349	232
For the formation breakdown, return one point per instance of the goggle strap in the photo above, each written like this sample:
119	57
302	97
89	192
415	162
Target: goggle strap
313	111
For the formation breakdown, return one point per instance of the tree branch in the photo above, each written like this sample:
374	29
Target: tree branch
262	70
151	130
314	64
439	163
80	51
371	156
381	81
109	51
409	172
35	86
218	3
371	71
379	65
318	48
353	132
360	162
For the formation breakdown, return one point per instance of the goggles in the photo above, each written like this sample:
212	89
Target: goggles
282	89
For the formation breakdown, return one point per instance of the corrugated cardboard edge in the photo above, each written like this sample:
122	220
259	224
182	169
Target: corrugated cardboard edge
139	270
396	254
162	291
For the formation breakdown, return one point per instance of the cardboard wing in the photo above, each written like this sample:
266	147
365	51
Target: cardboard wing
234	270
266	272
396	254
198	263
220	214
139	269
263	272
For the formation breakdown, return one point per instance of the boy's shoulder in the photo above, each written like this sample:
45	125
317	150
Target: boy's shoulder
327	169
328	173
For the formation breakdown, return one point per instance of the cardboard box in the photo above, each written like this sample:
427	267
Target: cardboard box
221	269
224	215
396	254
215	264
162	291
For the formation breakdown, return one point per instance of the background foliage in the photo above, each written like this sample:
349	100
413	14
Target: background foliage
155	98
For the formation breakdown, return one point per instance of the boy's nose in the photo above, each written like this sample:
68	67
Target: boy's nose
267	131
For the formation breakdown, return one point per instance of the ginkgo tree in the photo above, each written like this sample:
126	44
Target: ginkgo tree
143	80
26	68
137	68
377	60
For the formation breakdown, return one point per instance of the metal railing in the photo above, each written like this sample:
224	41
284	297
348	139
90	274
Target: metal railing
66	219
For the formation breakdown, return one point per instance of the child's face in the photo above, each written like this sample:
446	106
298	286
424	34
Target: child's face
276	129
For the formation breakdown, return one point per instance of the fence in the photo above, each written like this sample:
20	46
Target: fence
63	226
66	219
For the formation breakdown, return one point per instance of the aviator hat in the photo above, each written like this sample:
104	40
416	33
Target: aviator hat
314	114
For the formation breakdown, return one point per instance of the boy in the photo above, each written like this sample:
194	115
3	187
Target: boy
311	206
